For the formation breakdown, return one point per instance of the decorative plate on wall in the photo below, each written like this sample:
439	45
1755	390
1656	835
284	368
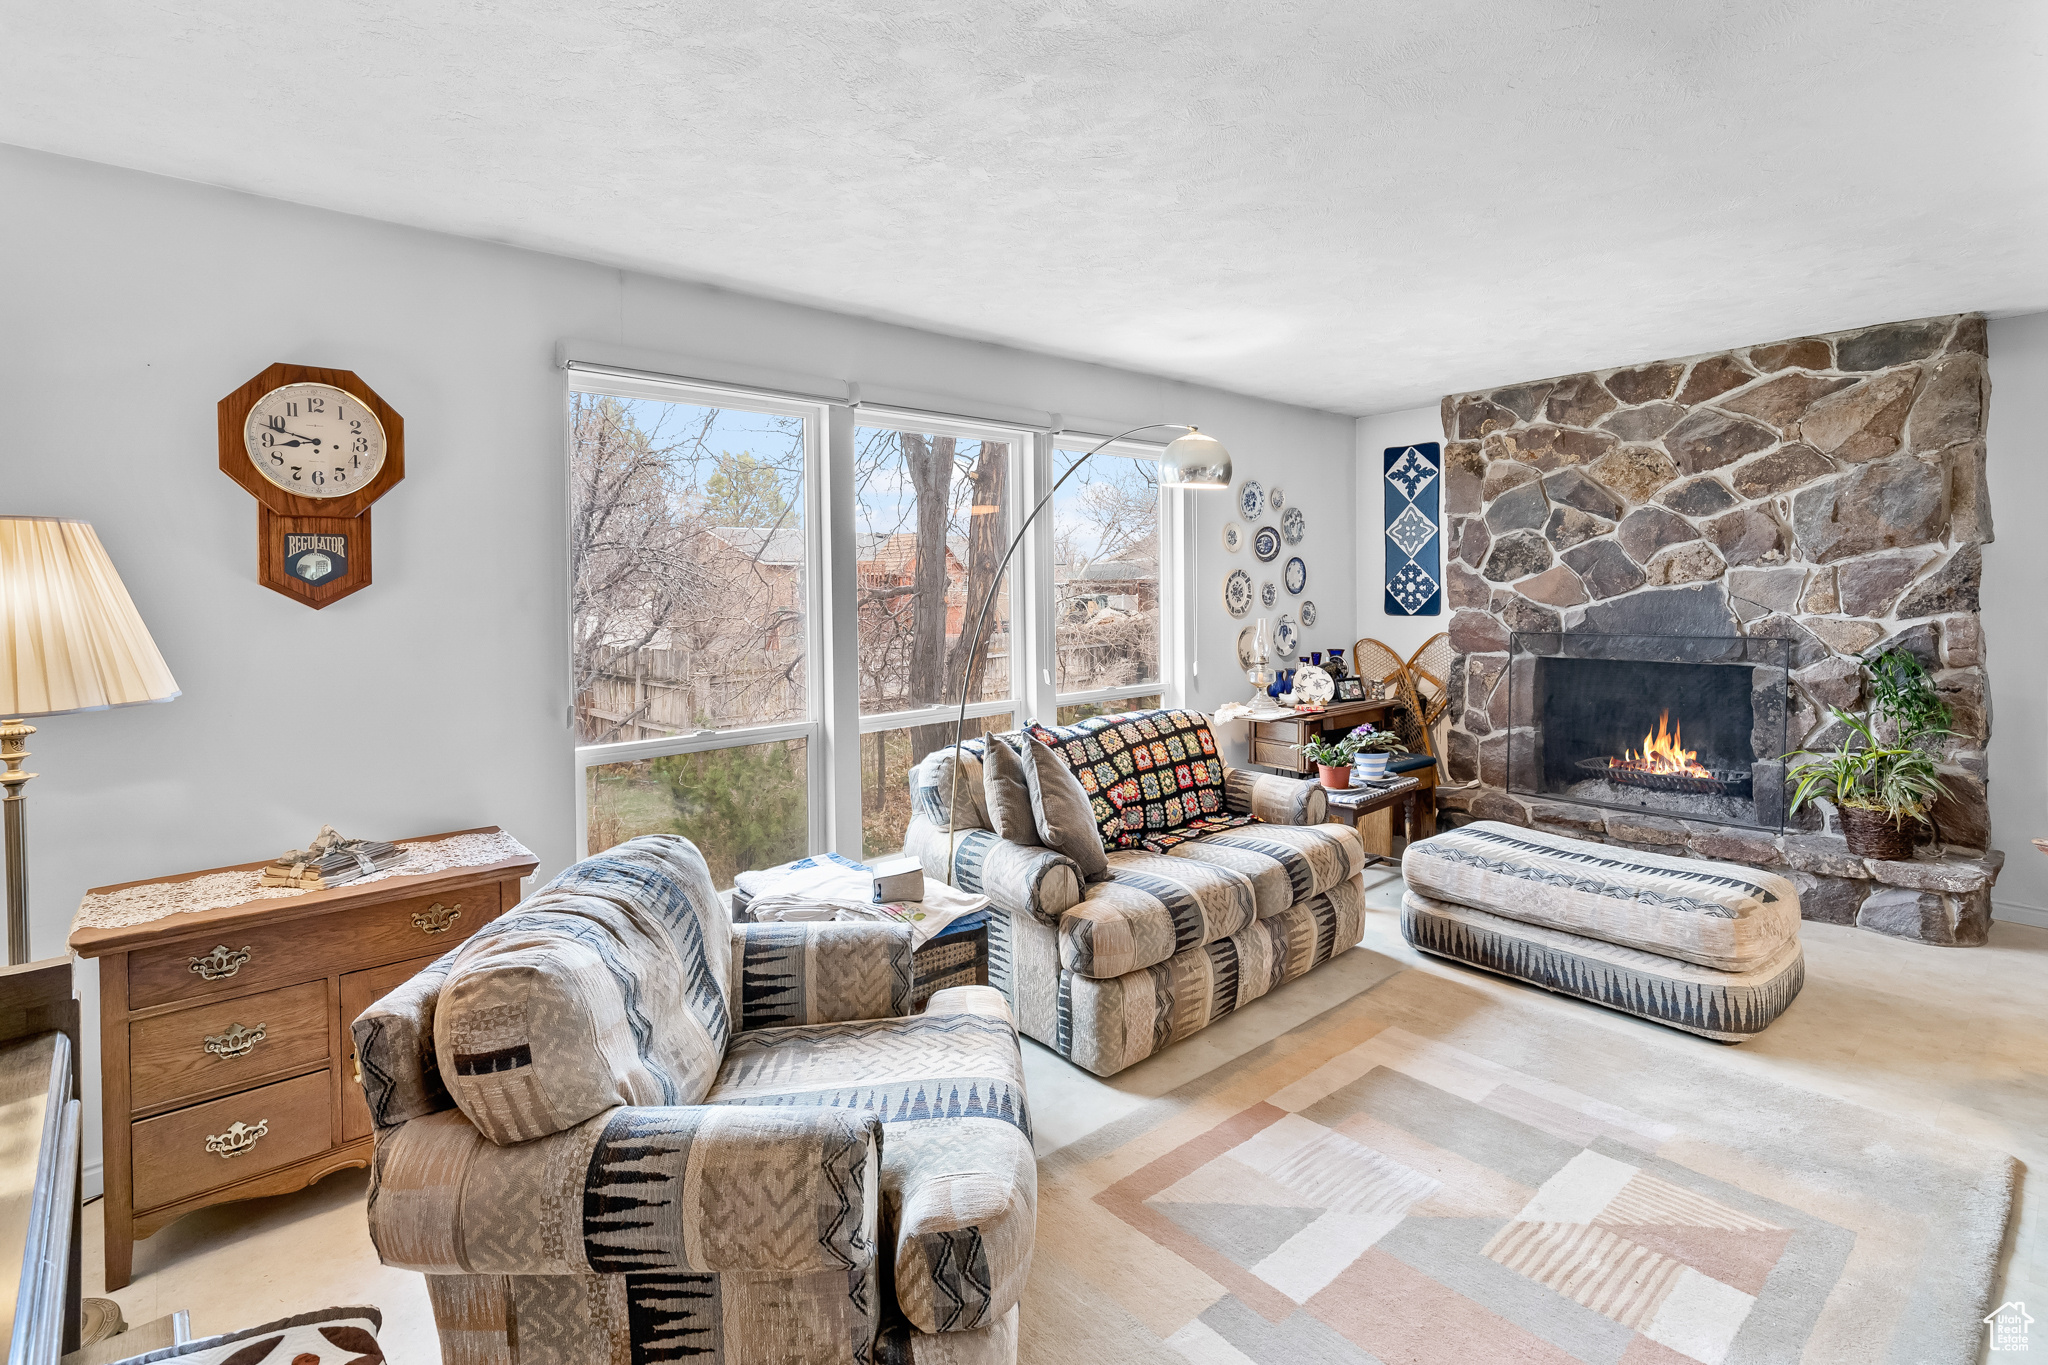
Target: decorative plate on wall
1251	500
1237	592
1246	638
1276	498
1268	594
1266	544
1293	525
1286	639
1296	576
1233	536
1308	614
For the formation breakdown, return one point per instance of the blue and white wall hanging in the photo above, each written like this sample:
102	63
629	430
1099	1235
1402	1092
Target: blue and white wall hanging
1414	548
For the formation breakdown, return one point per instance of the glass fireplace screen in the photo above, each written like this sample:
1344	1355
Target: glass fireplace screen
1680	726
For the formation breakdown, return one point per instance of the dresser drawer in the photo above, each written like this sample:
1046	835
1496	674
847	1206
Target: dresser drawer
182	1154
1273	753
204	1048
312	945
1285	731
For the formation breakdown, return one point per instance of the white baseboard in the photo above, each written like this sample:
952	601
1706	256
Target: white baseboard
92	1176
2020	914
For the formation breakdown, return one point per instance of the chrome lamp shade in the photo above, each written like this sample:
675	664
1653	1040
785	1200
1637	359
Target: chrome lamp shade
1195	461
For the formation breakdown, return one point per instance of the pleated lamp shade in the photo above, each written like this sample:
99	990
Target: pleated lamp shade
70	639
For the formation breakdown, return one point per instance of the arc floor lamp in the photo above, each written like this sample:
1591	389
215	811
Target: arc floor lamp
70	640
1193	460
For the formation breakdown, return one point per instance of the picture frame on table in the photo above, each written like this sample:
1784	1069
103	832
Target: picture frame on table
1350	689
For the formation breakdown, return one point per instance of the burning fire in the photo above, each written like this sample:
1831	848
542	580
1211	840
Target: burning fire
1664	752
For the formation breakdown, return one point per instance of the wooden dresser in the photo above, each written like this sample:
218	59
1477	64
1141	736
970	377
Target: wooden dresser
227	1070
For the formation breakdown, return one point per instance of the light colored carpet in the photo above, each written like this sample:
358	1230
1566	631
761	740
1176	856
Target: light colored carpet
1428	1173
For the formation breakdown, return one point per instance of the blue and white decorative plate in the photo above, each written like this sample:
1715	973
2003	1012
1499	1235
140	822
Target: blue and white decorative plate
1251	500
1296	576
1233	536
1268	594
1308	615
1286	639
1237	592
1266	544
1276	498
1293	525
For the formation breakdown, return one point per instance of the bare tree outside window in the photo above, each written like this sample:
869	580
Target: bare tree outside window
932	514
687	564
1105	573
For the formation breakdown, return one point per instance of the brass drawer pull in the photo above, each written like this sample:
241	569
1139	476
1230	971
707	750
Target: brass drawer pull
437	918
239	1138
236	1042
222	963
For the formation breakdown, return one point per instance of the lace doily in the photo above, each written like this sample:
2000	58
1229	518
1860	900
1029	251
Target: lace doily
154	900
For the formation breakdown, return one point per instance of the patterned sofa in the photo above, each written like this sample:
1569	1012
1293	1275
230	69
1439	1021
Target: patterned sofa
1200	913
613	1126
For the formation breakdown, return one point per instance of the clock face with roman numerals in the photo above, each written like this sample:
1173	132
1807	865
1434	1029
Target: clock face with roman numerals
314	440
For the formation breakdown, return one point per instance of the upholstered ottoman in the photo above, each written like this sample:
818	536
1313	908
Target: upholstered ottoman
1711	948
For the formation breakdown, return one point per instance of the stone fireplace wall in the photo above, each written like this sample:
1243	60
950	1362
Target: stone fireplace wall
1828	491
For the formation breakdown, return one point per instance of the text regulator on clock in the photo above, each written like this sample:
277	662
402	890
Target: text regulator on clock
314	440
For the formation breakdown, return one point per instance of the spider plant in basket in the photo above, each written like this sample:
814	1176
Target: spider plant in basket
1884	774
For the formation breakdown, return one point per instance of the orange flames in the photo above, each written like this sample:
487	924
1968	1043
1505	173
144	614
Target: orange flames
1664	752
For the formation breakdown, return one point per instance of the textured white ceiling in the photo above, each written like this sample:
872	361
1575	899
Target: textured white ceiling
1358	206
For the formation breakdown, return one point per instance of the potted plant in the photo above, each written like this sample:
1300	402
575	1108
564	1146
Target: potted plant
1371	747
1332	757
1883	776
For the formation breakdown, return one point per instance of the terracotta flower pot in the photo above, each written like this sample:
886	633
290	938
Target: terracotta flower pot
1871	834
1335	778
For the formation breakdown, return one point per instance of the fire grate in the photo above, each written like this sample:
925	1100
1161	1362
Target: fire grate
1717	782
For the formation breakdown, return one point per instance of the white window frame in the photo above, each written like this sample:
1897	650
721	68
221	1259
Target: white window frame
833	719
811	729
1171	688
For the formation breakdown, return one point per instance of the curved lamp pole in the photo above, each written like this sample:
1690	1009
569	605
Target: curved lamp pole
1190	461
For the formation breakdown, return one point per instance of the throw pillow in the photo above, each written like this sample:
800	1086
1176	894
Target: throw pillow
595	992
332	1336
1061	810
1007	793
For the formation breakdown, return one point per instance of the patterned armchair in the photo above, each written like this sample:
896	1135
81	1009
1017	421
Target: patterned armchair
613	1126
1192	921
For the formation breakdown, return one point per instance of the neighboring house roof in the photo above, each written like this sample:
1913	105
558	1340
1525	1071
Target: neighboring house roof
768	545
1118	571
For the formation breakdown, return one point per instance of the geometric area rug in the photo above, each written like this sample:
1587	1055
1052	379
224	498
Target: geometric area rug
1426	1173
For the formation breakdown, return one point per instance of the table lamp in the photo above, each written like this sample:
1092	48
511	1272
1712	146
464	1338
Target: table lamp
70	640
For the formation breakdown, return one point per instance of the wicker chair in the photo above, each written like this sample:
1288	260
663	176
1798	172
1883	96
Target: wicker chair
1376	660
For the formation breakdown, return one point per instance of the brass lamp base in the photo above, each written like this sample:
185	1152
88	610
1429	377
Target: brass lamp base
13	749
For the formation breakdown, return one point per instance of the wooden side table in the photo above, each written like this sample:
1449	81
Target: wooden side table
1277	744
1372	812
226	1067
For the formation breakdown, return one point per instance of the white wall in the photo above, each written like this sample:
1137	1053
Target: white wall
1374	435
2016	612
435	699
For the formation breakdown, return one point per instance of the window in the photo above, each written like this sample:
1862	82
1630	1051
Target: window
690	620
931	526
1107	609
727	617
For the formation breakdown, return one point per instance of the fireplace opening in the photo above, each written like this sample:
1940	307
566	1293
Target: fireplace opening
1674	728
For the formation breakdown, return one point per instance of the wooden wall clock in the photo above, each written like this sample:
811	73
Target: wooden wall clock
315	448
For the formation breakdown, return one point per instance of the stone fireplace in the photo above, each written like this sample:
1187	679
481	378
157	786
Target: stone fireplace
1694	557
